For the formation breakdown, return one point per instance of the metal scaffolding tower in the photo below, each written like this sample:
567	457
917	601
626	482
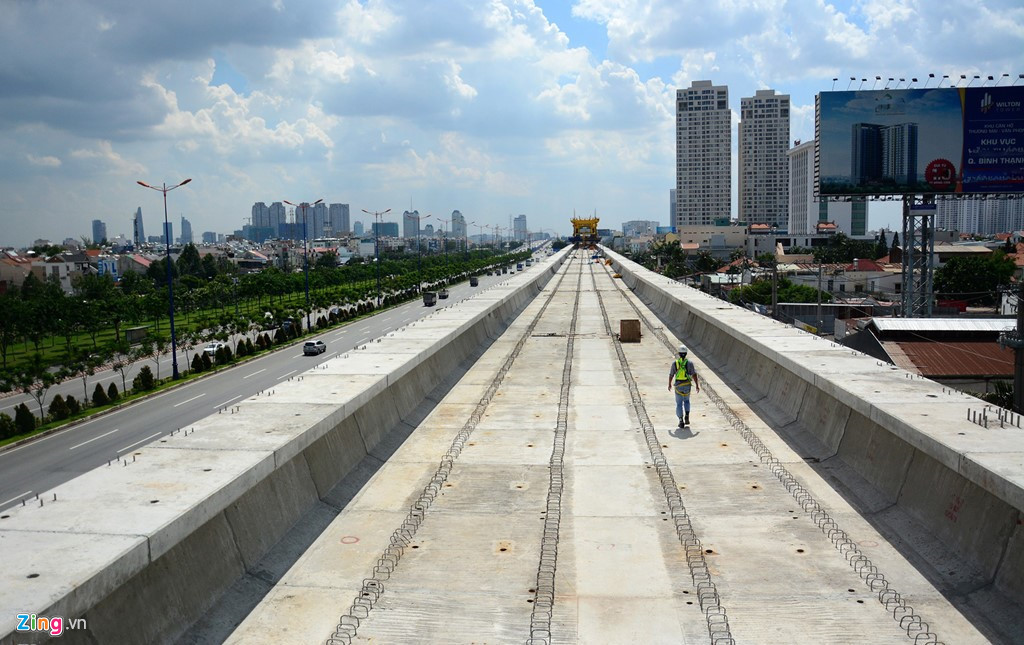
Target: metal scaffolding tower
918	250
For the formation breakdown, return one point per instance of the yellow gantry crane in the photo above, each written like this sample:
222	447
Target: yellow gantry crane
584	232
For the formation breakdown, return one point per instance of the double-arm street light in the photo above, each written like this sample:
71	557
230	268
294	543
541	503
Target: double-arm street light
170	281
305	250
419	253
444	238
376	245
480	231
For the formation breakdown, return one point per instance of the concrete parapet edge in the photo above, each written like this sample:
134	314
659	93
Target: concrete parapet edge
182	560
906	436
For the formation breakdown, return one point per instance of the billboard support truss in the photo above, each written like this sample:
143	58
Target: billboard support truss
918	250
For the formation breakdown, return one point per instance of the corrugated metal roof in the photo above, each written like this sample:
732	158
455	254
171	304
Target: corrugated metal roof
990	325
934	359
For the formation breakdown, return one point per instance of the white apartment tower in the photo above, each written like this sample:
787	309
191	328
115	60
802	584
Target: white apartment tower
805	212
458	224
986	217
703	154
519	228
763	168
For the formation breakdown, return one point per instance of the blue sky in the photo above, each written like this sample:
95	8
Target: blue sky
494	108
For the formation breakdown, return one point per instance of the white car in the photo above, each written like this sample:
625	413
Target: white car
211	349
314	347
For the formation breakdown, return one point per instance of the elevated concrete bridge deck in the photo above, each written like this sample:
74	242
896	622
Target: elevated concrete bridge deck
510	472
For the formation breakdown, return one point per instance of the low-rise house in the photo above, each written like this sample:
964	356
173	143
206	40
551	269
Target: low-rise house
963	353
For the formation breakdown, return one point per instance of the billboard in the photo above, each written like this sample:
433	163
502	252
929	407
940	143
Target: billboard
966	141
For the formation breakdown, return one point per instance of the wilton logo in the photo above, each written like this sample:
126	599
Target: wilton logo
986	103
53	626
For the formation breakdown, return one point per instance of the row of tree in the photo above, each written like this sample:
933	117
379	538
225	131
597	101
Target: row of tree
98	305
39	317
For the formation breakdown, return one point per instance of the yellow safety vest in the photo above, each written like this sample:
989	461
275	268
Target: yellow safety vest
682	374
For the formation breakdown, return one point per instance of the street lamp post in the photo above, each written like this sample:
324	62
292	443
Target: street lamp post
170	281
444	238
305	250
376	246
419	254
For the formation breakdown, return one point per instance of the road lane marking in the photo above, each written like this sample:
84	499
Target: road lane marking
94	439
288	374
18	498
190	400
255	373
126	448
361	341
329	355
229	401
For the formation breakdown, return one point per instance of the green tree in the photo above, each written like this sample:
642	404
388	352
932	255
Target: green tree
35	379
58	409
13	319
189	262
7	427
143	381
760	292
112	393
974	278
210	267
328	260
24	420
706	262
124	357
99	396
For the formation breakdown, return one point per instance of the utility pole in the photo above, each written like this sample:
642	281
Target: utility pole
1015	341
819	298
775	288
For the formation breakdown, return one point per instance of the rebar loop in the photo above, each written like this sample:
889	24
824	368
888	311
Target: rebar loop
547	568
893	601
373	587
707	593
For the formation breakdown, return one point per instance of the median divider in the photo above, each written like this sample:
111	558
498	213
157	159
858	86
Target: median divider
901	448
141	548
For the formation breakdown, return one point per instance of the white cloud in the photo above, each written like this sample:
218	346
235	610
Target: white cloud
103	157
483	106
44	161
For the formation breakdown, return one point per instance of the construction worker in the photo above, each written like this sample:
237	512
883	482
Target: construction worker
683	372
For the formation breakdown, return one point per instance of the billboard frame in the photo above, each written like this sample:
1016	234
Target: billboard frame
971	144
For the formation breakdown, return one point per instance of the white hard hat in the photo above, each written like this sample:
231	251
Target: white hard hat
682	349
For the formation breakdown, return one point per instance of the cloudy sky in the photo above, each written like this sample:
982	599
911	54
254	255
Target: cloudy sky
492	107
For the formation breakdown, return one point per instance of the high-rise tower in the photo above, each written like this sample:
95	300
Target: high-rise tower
763	168
519	228
338	214
703	154
138	234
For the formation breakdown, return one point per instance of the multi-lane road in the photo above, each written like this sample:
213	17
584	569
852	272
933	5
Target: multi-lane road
33	468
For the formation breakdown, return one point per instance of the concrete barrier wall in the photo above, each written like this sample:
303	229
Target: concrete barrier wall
141	549
899	446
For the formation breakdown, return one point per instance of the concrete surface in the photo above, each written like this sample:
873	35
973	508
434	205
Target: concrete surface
469	573
143	548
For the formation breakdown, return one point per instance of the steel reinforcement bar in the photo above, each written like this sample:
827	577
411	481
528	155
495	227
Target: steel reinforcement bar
544	600
909	620
373	587
707	592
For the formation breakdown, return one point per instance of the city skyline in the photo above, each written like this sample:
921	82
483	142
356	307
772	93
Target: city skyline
493	109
